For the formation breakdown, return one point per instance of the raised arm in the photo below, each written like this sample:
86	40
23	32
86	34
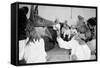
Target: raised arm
63	44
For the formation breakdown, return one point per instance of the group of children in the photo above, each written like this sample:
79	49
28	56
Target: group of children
32	49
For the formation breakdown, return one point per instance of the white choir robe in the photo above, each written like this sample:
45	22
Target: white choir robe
81	51
32	52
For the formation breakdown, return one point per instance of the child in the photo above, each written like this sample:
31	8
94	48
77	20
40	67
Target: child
57	25
66	31
32	49
80	50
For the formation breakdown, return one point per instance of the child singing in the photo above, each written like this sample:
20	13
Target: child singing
79	50
32	49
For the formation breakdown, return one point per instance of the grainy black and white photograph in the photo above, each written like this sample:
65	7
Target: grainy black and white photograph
56	33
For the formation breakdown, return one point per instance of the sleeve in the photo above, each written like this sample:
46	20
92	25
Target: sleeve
64	44
21	50
42	44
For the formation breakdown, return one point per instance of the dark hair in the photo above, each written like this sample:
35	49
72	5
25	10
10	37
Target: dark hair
31	32
91	21
22	20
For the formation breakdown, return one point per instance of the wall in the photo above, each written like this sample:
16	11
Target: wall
63	13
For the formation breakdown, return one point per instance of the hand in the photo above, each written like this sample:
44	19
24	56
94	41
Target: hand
73	57
81	42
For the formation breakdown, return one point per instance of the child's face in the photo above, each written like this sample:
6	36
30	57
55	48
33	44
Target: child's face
78	38
82	36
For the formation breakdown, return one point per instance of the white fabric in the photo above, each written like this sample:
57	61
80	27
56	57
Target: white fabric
81	51
32	52
22	44
92	44
56	27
